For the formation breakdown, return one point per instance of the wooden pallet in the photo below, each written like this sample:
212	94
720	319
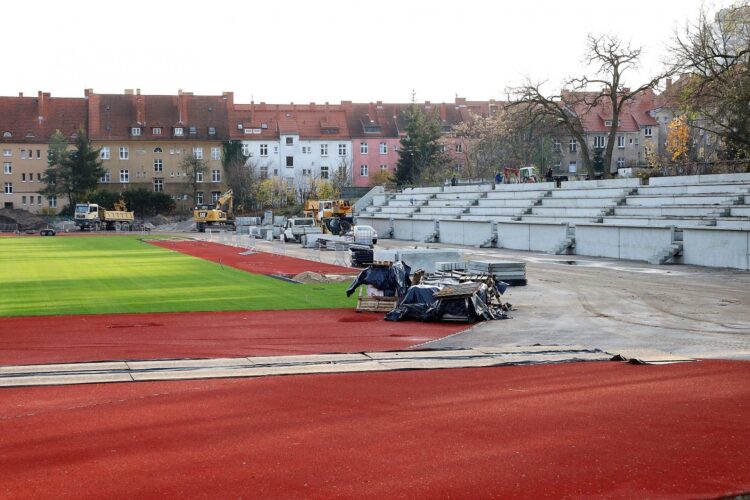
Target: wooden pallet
375	304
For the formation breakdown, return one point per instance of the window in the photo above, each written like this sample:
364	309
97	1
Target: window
647	151
38	200
324	171
441	148
275	150
135	131
23	200
7	152
556	147
106	177
290	161
7	167
8	188
621	141
215	175
245	150
573	145
383	168
198	153
199	198
264	172
646	132
215	154
179	131
342	149
324	150
23	154
211	130
459	148
307	172
52	201
557	166
156	131
620	162
572	167
124	176
306	150
123	153
192	130
39	177
290	141
363	170
215	196
23	176
199	177
158	165
38	154
363	148
158	185
598	141
264	149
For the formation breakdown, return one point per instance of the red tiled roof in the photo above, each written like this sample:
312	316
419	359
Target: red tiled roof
113	115
35	119
633	115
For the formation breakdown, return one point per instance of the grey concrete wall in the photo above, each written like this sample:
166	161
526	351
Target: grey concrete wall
622	242
531	236
739	188
468	189
698	179
662	200
461	232
604	183
531	186
413	229
716	247
367	199
420	258
381	225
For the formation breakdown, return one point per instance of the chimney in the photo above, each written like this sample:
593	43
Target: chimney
460	101
42	105
95	121
128	91
140	108
669	83
20	94
182	101
88	92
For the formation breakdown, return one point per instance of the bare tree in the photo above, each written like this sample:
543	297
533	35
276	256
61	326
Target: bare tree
610	58
716	57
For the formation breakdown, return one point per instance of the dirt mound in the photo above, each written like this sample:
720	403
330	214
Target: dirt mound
24	219
312	277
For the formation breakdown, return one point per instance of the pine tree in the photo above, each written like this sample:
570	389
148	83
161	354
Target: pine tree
421	158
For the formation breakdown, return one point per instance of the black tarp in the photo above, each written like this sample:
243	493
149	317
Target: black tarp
393	280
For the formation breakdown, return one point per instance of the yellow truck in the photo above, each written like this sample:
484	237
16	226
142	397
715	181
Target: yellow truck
94	217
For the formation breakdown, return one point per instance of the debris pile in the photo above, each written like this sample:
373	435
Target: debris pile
429	297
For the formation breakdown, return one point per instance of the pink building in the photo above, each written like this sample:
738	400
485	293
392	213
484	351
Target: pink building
375	140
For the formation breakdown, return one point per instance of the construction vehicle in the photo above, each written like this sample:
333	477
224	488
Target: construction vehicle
220	214
333	216
512	175
91	216
297	227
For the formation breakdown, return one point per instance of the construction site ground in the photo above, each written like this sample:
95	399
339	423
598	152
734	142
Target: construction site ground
596	428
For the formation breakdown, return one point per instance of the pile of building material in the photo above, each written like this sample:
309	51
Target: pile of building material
511	272
361	255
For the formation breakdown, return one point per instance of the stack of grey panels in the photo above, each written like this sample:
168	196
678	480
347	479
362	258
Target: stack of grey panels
509	271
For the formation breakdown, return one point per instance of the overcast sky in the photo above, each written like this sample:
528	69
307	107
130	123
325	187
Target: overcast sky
326	50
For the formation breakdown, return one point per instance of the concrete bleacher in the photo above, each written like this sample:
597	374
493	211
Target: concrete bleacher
632	221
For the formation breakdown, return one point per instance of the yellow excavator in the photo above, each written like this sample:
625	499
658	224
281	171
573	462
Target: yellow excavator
220	214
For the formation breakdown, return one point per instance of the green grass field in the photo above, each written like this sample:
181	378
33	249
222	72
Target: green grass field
121	274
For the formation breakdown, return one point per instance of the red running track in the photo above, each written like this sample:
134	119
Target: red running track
579	429
60	339
258	263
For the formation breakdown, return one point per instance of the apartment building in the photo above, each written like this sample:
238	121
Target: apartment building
144	139
297	143
26	126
